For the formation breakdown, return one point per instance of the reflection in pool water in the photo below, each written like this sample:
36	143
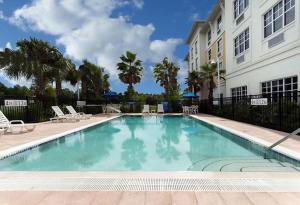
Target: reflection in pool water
144	143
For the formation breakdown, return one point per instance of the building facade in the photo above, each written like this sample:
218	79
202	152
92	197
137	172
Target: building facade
262	52
263	46
206	43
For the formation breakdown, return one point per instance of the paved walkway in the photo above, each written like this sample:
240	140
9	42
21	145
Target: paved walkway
148	198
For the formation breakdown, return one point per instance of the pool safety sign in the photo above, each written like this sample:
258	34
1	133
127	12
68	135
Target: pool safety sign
15	103
259	101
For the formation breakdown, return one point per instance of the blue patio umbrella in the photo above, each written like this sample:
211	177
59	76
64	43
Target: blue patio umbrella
189	95
110	94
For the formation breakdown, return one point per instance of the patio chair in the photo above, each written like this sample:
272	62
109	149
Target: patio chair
146	109
185	109
59	115
160	108
6	125
195	109
81	115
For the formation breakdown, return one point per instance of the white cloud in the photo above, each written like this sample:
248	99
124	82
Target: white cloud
2	15
194	16
138	3
87	30
1	1
8	45
182	74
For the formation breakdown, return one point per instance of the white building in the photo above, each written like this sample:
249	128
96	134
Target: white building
263	46
262	39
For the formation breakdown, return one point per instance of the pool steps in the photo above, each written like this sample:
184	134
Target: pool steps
242	165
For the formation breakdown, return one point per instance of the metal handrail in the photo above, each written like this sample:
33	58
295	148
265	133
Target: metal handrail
297	131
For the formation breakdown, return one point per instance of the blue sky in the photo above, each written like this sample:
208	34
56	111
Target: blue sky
101	30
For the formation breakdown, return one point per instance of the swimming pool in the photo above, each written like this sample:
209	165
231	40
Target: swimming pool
149	143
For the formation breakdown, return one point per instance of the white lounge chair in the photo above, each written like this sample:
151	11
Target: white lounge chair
160	108
7	125
112	109
2	131
146	109
59	115
81	115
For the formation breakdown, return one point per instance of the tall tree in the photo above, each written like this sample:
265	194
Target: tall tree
166	74
92	77
60	70
33	59
193	81
208	75
130	71
106	84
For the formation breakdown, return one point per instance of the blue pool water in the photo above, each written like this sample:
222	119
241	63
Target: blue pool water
150	143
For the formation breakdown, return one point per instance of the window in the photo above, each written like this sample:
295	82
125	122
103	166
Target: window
239	7
208	37
241	42
219	24
239	92
268	26
209	54
273	88
192	53
289	11
192	66
196	63
220	47
279	16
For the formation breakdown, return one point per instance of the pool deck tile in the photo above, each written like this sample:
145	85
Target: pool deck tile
133	198
209	198
154	198
148	198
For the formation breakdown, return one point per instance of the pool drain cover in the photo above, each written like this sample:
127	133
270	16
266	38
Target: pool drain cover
148	184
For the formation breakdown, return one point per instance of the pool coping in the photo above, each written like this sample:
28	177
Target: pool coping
21	148
280	149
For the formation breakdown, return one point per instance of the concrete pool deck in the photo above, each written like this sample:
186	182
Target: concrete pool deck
84	196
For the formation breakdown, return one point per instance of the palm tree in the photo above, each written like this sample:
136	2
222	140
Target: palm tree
105	83
193	81
92	79
96	80
60	70
33	59
208	74
166	74
130	71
